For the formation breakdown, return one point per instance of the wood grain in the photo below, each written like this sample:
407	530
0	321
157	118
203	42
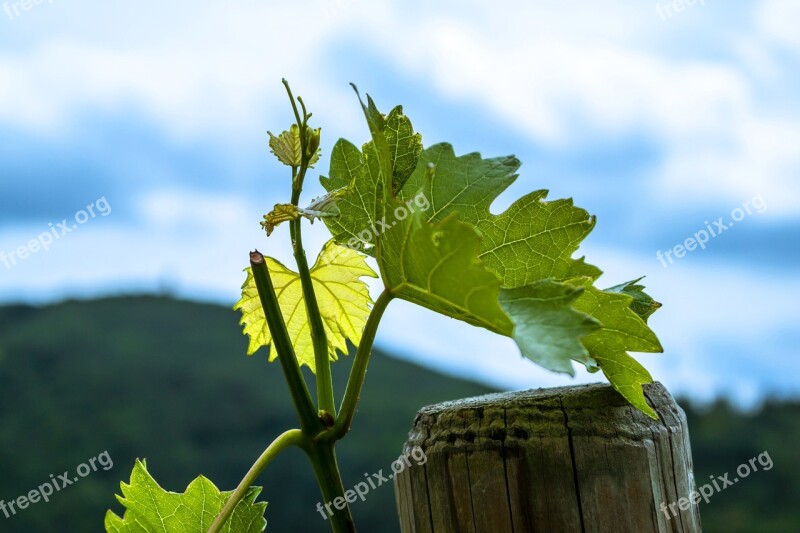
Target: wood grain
568	459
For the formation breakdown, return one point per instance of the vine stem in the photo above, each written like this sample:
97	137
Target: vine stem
309	420
293	437
358	372
323	458
316	440
319	339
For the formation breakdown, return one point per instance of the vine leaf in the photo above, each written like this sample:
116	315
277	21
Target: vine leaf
322	207
643	304
624	330
151	509
547	329
287	148
529	248
532	240
360	174
343	298
437	266
280	213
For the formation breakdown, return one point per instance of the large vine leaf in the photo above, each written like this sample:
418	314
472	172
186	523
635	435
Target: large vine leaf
343	298
532	240
151	509
529	247
437	266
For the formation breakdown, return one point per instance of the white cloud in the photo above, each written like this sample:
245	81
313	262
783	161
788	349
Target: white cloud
216	73
171	209
556	77
778	22
720	136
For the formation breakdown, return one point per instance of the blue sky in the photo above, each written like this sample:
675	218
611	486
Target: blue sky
659	121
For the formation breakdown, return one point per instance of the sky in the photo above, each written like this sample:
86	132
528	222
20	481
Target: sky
135	135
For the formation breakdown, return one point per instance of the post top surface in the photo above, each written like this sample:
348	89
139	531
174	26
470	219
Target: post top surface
597	395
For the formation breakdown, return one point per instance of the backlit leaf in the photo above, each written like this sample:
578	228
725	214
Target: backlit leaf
343	299
529	248
623	331
437	266
151	509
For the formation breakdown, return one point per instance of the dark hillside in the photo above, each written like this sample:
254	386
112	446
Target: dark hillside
168	381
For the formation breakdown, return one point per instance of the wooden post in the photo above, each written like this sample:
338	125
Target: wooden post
549	460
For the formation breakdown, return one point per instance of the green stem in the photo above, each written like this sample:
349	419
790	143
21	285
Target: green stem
289	438
309	419
323	459
294	105
359	370
319	338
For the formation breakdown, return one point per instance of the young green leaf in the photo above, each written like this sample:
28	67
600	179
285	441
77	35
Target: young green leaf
287	148
151	509
623	331
280	213
643	304
325	206
343	299
322	207
360	176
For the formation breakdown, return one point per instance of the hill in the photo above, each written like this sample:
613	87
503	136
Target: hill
168	380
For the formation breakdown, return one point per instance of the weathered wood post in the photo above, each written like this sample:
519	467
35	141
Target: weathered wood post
565	459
